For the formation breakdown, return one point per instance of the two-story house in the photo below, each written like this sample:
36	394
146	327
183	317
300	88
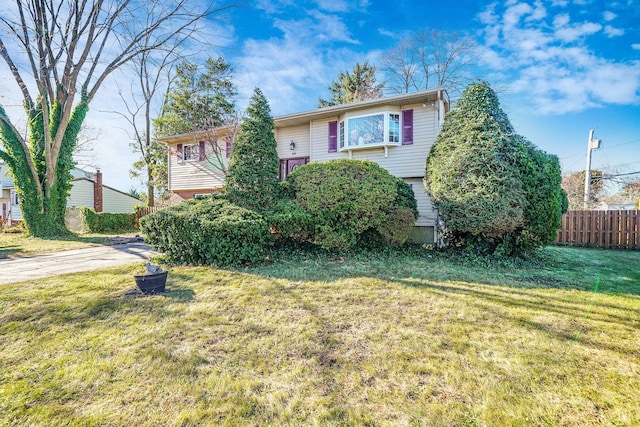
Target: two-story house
396	132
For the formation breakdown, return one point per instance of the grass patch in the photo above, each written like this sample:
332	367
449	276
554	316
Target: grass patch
408	338
16	244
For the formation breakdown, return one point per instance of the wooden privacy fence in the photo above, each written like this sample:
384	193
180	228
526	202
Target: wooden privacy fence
600	229
147	210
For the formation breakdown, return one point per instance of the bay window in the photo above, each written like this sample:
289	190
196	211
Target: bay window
375	130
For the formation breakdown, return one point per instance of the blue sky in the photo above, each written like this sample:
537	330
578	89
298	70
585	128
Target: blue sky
562	67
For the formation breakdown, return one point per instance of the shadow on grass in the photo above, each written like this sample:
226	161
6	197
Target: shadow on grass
180	294
7	251
563	269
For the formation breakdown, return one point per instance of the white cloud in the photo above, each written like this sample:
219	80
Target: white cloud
547	59
561	20
331	28
539	12
575	32
613	31
514	13
488	16
635	46
333	5
388	33
609	16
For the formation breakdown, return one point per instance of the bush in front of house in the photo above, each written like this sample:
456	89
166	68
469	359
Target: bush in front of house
541	178
495	191
208	231
252	175
107	222
346	198
289	222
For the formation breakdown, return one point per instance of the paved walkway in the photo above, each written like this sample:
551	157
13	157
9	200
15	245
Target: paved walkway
39	266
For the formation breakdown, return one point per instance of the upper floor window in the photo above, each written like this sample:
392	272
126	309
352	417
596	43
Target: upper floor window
190	152
380	129
394	127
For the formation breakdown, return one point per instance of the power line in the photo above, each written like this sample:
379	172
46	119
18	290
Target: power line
620	174
623	143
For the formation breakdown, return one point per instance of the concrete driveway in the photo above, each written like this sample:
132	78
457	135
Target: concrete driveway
24	268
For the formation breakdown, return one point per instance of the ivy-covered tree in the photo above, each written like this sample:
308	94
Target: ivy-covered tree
359	85
69	49
252	175
494	190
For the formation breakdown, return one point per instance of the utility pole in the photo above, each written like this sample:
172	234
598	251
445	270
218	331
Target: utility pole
592	144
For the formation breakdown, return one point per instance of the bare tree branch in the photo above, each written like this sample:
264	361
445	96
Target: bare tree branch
430	59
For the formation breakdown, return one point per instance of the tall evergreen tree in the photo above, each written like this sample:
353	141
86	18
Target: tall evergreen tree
252	175
201	97
359	85
470	172
494	190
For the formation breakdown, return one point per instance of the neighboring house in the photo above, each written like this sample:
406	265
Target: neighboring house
9	208
396	132
197	163
616	206
86	190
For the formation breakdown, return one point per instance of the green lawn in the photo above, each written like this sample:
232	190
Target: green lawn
409	338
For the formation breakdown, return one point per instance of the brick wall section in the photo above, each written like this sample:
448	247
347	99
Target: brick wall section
97	191
179	196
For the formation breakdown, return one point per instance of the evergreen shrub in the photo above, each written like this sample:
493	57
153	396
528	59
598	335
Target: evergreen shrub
208	231
346	198
289	223
107	222
495	191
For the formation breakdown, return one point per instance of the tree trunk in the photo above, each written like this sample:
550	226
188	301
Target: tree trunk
44	209
151	201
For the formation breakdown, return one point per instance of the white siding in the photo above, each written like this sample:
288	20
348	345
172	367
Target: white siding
113	200
81	194
192	174
427	215
404	161
116	202
298	134
16	213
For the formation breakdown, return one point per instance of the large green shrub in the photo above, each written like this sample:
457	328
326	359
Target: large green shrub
106	222
290	223
493	189
208	231
546	200
346	198
252	176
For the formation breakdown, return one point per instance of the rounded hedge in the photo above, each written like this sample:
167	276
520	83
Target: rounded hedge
208	231
346	198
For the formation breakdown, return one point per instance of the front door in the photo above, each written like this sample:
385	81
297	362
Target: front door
288	165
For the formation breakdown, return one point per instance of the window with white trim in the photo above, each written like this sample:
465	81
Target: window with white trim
374	130
394	127
190	152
